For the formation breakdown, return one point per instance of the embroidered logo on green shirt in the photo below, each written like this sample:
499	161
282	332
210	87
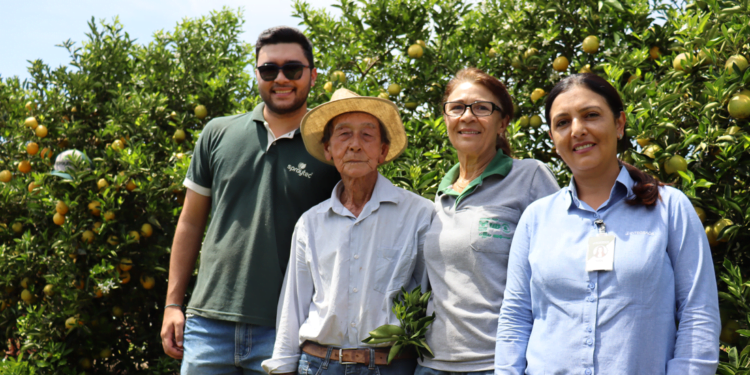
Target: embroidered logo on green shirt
487	225
300	170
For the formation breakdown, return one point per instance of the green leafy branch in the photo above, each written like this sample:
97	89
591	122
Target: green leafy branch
411	311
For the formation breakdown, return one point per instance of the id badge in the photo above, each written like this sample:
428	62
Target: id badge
601	253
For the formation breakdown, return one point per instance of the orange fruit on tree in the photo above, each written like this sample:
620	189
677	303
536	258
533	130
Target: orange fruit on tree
179	136
41	131
200	111
147	282
738	60
537	94
25	283
58	219
102	183
113	240
31	122
5	176
147	230
24	166
590	44
61	208
109	215
46	153
26	296
17	227
328	86
415	51
87	236
97	225
130	185
688	59
654	53
586	69
33	185
126	264
117	145
32	148
95	208
30	106
701	214
124	277
560	64
78	284
739	106
134	235
70	322
49	290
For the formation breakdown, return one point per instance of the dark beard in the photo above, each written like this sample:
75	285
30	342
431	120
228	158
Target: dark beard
299	102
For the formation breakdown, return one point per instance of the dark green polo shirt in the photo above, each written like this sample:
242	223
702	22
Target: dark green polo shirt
257	194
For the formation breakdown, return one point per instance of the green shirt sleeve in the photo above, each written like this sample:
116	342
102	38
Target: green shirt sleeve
199	174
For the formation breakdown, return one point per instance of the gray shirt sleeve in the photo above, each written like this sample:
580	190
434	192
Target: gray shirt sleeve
543	183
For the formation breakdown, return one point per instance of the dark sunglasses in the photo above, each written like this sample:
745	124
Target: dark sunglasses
292	70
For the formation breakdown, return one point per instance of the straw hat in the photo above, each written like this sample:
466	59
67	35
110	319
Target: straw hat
344	101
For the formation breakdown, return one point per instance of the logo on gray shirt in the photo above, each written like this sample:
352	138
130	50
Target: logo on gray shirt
299	170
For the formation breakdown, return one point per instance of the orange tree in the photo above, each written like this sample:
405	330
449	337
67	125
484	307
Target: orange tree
681	77
84	260
681	72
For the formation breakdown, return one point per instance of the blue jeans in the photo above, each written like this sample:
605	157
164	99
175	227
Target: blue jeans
421	370
311	365
214	347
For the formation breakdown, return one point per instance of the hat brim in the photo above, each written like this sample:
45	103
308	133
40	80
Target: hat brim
314	123
61	174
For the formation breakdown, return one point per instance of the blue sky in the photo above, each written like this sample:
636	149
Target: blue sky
30	29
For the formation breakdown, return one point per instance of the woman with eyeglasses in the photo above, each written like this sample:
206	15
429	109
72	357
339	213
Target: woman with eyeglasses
613	274
478	205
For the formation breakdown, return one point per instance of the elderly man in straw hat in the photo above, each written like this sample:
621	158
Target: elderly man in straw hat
352	253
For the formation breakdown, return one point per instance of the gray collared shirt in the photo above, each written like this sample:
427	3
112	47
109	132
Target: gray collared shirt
344	270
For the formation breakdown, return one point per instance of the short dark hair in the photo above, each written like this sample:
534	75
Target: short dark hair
285	34
328	130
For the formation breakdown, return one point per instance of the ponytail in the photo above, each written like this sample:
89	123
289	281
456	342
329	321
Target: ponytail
502	144
646	187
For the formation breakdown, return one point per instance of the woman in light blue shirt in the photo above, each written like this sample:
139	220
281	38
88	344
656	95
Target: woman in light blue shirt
613	274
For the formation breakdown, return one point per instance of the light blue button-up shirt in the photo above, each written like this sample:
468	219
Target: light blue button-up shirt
558	318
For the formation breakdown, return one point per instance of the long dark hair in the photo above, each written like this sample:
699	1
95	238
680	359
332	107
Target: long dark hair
497	88
646	188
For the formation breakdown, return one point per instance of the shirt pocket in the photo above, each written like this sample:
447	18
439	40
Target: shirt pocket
492	229
389	270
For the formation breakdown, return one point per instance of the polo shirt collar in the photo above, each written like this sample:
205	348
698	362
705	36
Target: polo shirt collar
501	165
384	191
257	116
623	188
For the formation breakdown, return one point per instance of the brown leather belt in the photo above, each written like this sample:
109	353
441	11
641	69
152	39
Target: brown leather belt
352	356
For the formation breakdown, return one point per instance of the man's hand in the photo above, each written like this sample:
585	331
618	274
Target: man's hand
172	329
185	248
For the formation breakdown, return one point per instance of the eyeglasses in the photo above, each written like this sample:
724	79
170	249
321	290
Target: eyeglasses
292	70
479	109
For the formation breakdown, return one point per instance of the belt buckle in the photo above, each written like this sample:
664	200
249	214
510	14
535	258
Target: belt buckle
341	356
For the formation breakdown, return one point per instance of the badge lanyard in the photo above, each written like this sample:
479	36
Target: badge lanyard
601	251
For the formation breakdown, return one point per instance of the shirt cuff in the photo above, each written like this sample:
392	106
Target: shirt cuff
204	191
281	365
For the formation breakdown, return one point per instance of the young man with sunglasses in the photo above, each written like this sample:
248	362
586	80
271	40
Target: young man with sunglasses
251	172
